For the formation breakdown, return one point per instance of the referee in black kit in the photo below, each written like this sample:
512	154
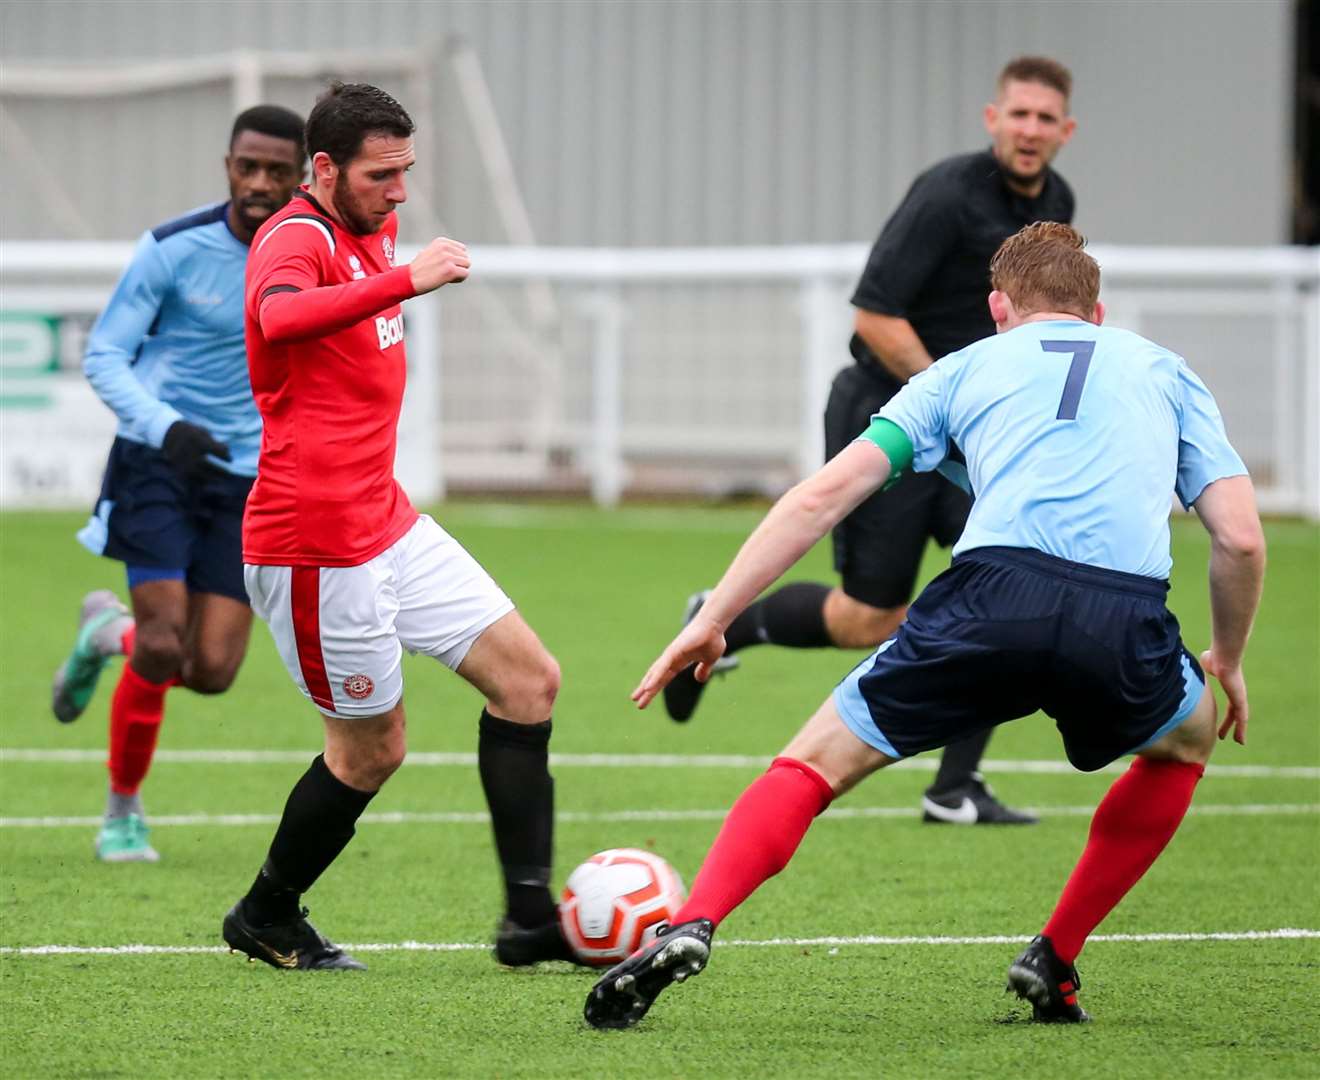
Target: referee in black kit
922	295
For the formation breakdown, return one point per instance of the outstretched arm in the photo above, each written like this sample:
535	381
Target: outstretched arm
1227	508
292	307
289	313
804	514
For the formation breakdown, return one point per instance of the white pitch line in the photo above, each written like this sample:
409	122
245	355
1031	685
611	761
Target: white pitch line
578	817
1288	934
614	761
1285	934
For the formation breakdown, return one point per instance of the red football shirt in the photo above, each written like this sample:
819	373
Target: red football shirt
326	358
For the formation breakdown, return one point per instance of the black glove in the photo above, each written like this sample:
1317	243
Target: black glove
186	447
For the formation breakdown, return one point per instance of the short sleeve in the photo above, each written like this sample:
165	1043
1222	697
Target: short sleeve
921	410
1204	452
918	236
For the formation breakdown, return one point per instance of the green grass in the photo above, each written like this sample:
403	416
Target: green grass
604	592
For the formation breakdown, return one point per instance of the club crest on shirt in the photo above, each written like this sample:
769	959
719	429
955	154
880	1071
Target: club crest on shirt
387	246
355	264
358	687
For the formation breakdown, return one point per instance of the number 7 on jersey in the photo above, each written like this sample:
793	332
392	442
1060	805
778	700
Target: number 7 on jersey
1072	387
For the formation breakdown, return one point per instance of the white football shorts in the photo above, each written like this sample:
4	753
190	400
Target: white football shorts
341	630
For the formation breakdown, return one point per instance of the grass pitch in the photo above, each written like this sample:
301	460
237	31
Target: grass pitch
604	590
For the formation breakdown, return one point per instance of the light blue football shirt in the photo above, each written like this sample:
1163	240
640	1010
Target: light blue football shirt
1075	437
169	345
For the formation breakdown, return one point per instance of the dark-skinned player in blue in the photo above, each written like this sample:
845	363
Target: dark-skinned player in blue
167	356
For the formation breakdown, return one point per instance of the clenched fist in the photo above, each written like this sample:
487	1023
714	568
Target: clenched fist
441	262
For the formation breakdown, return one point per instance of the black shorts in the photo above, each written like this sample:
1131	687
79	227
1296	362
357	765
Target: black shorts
878	547
1006	631
148	516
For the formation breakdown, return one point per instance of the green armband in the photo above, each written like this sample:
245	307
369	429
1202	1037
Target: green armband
893	440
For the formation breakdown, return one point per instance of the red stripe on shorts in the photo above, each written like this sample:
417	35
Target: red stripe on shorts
306	600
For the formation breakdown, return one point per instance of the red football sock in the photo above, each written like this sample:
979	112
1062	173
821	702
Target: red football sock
1134	821
136	710
128	639
757	839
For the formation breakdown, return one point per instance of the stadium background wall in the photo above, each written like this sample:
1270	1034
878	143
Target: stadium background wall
613	164
663	123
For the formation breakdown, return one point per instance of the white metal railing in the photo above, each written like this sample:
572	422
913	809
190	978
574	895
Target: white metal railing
707	369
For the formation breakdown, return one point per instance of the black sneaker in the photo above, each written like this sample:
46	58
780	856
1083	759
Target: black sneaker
1040	977
623	994
972	803
683	692
292	945
517	946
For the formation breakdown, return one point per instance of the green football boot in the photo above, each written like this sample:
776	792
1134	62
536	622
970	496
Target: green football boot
124	839
98	640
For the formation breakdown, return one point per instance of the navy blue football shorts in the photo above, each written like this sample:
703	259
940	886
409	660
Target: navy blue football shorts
1007	631
161	525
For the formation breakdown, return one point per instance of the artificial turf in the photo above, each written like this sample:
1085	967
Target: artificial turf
604	590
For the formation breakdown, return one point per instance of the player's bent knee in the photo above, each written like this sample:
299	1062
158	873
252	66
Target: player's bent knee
551	678
207	683
158	646
1199	740
391	756
528	695
880	625
1186	752
370	773
1193	741
370	762
211	675
826	746
855	625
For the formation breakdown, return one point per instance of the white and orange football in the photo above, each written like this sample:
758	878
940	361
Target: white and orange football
614	903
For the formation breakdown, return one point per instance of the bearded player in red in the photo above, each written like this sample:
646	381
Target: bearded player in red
346	573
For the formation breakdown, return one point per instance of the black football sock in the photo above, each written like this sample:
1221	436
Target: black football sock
793	616
513	760
318	823
960	760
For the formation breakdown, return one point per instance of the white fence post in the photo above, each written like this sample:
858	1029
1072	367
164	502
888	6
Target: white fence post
1288	361
820	357
245	86
1310	383
606	466
419	460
